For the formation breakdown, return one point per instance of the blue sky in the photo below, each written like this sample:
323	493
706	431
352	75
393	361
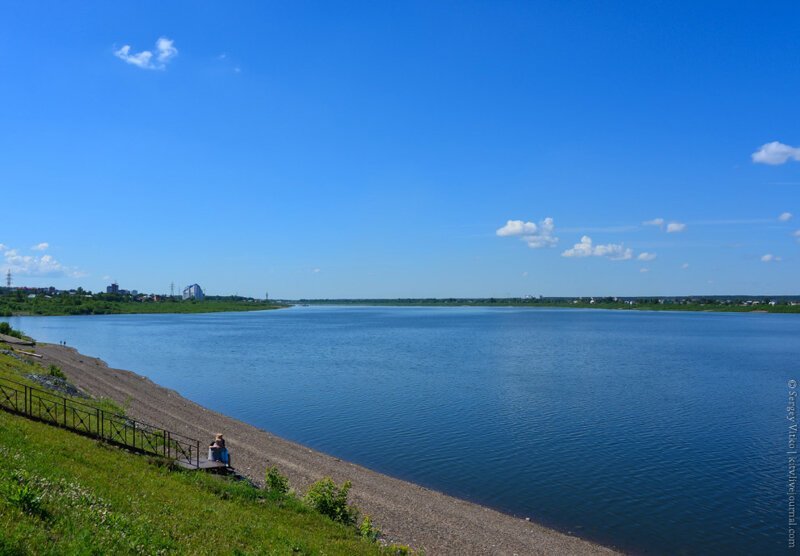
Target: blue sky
387	149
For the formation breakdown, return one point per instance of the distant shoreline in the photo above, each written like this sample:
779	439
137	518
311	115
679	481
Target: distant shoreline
758	307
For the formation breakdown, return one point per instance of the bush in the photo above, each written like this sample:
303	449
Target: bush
275	482
26	498
56	371
331	500
6	329
368	531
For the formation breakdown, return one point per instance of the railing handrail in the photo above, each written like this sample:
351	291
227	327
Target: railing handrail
173	442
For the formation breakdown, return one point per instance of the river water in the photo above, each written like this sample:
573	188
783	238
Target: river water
653	432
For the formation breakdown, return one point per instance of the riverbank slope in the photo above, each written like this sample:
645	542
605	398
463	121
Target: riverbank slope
405	512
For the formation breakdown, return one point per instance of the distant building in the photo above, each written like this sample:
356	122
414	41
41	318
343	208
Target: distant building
113	288
193	292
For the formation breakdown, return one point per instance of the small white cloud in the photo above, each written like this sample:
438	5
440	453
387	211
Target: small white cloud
165	51
644	270
674	227
646	256
41	246
685	266
770	258
795	234
775	153
654	222
613	251
516	228
525	274
785	216
3	247
316	271
534	235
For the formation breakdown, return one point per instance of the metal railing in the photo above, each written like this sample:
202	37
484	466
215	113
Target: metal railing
89	420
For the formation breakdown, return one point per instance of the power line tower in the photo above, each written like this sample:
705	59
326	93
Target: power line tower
8	278
172	289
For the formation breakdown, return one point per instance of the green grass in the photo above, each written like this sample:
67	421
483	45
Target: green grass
66	494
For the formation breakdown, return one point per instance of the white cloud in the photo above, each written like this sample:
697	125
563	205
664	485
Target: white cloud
3	247
34	265
644	270
775	153
646	256
613	251
534	235
673	227
165	51
685	266
41	246
654	222
797	234
785	216
769	258
516	228
316	271
525	274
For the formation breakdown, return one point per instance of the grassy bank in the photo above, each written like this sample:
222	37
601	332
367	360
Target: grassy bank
66	494
106	304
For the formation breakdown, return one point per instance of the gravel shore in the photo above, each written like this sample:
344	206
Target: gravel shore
405	512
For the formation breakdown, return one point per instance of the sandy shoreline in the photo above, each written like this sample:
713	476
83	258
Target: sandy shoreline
405	512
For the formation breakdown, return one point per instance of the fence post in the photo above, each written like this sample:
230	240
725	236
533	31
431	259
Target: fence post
26	400
198	453
134	435
65	412
97	419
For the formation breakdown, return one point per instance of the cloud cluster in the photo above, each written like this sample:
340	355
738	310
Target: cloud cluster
536	236
775	153
586	248
33	265
165	51
671	227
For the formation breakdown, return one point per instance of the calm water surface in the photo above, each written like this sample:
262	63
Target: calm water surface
661	433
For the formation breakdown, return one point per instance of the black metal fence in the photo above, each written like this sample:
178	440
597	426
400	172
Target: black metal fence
89	420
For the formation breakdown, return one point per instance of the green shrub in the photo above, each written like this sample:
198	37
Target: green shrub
6	329
368	531
331	500
275	482
26	498
56	371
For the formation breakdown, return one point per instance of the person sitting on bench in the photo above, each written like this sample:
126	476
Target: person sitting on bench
217	450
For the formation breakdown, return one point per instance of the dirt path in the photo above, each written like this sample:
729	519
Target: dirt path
405	512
